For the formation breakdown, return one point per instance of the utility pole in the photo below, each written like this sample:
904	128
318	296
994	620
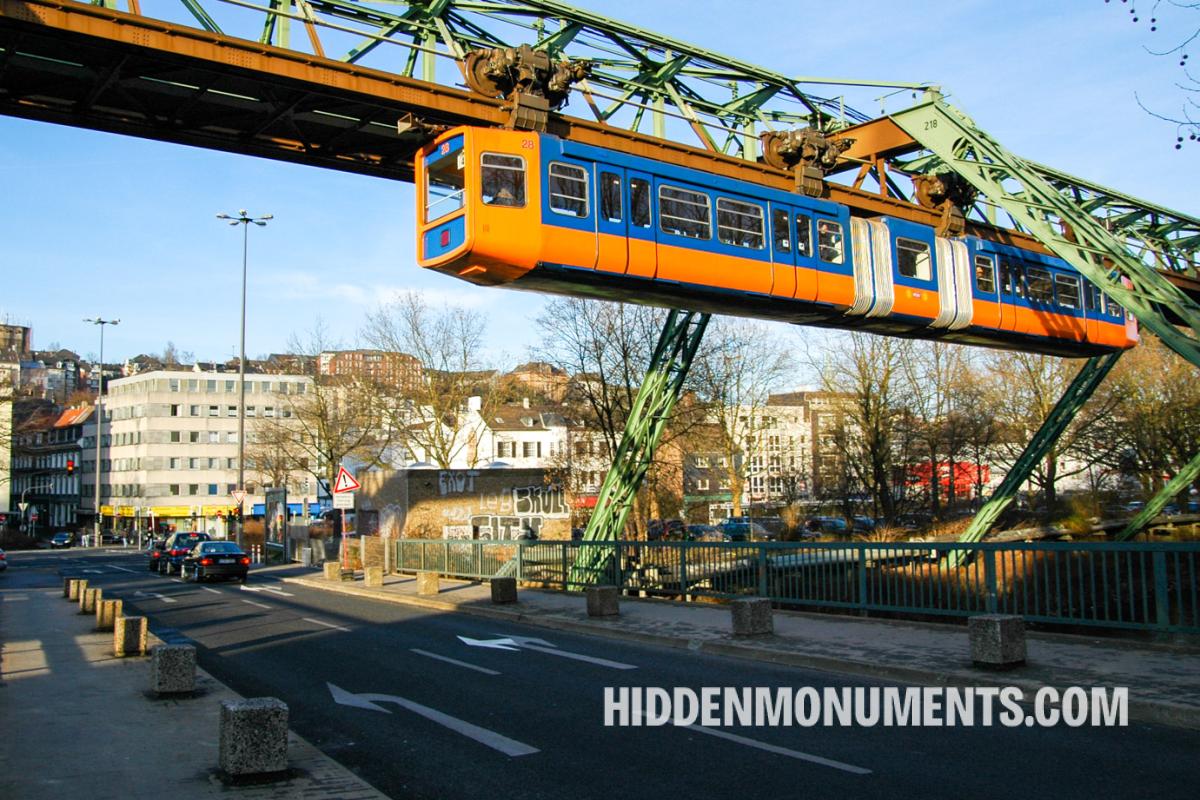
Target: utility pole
99	419
245	221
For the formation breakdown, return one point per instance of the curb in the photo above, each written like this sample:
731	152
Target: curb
1160	713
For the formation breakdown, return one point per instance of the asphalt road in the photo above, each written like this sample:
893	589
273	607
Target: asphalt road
458	720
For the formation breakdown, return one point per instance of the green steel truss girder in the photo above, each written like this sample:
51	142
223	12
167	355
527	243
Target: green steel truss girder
1180	483
1081	388
634	69
677	346
1043	210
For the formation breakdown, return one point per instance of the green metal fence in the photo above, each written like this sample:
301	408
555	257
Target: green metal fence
1119	584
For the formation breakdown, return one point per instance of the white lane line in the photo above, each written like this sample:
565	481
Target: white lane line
123	569
603	662
453	661
12	598
214	591
326	624
154	594
260	605
271	589
782	751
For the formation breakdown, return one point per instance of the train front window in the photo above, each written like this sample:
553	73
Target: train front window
568	190
985	275
912	259
829	241
739	224
502	180
444	187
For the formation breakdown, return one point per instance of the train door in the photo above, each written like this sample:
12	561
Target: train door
641	246
986	300
1012	294
612	220
783	251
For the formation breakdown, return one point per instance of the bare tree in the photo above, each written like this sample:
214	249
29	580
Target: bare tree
449	344
739	365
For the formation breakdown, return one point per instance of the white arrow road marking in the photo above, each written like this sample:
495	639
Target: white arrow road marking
279	592
448	660
495	644
326	624
165	599
260	605
542	646
782	751
510	747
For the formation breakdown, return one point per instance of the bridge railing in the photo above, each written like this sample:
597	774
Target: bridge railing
1152	586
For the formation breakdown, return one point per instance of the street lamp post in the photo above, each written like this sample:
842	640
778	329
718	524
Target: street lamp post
99	419
245	221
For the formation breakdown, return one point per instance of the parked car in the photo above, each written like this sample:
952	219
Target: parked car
665	529
703	533
744	532
863	524
62	539
178	546
833	526
112	537
215	560
3	561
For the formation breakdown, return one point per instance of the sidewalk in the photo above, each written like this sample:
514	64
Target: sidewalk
80	723
1163	680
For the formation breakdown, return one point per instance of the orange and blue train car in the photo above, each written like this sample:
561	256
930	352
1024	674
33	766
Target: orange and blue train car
533	211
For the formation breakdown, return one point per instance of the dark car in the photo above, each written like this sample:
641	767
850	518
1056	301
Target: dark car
62	539
215	560
154	551
178	546
744	532
703	533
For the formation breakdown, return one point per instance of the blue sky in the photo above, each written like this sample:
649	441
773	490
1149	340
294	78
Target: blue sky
97	224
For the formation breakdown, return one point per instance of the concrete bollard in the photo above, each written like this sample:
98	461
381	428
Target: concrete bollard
428	583
504	590
129	636
88	599
75	587
107	612
997	640
603	601
332	571
752	617
253	736
172	668
67	587
373	577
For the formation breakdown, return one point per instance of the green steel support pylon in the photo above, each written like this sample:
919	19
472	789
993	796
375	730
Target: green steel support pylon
1066	228
1185	478
677	345
1032	202
1082	387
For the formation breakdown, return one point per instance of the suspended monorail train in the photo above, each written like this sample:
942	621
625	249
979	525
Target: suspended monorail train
536	212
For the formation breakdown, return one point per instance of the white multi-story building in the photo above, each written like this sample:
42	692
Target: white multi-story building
169	451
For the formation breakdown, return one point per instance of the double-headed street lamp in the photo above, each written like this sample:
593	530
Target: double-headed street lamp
245	220
99	416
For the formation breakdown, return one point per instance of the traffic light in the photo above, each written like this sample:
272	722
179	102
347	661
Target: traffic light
70	466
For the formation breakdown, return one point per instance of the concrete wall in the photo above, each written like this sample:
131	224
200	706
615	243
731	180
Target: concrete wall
463	504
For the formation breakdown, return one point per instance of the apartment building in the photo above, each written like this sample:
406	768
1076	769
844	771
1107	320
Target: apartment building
46	466
170	446
389	368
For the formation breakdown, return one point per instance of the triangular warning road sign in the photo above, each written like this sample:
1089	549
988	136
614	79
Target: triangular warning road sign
345	482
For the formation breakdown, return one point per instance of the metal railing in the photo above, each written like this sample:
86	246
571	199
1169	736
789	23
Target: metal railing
1121	585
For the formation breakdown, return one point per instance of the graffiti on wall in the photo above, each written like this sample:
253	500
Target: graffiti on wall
516	513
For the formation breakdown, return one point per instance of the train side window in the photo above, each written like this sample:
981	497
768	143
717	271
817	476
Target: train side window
779	231
639	203
568	190
739	224
1112	308
684	213
502	180
985	275
1091	296
804	235
610	196
1067	287
1041	285
829	241
912	259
